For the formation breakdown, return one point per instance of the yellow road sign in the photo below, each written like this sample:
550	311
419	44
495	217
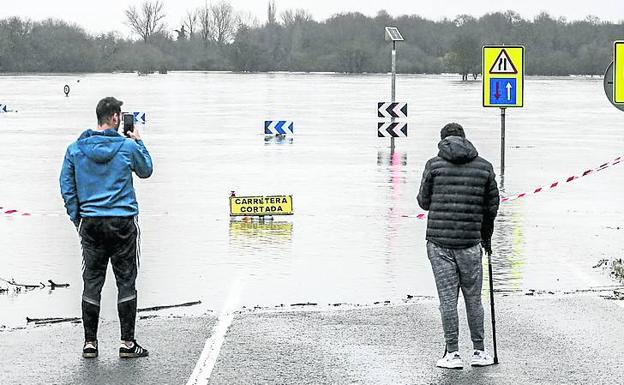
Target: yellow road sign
503	76
261	205
618	72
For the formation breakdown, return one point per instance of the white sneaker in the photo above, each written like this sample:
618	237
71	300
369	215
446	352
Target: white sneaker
450	360
481	358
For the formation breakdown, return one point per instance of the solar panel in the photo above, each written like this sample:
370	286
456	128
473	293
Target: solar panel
392	33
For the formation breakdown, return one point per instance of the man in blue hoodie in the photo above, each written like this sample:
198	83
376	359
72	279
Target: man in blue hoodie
96	184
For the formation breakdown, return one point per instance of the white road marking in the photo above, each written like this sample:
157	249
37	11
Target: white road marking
212	348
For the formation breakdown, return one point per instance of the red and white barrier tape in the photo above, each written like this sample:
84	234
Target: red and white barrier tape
13	212
538	190
555	184
549	187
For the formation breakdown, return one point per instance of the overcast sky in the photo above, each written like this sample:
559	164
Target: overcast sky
108	15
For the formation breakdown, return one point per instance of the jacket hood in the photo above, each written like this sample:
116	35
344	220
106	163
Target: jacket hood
457	150
100	146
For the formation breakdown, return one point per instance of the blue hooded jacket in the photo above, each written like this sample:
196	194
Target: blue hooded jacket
96	178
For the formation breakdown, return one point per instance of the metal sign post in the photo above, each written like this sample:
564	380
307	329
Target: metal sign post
503	82
393	92
393	34
502	140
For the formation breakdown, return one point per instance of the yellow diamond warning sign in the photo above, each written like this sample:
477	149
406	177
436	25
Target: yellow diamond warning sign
261	205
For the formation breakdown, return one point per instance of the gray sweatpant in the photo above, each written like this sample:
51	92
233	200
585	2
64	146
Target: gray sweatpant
454	269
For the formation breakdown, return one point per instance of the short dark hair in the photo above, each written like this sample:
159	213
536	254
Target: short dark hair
106	108
452	129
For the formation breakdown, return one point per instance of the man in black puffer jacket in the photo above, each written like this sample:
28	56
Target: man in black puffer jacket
459	190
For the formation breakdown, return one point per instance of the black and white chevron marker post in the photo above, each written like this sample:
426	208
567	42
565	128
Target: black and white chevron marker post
392	110
392	129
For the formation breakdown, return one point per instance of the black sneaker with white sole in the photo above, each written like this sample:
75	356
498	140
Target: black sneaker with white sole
134	351
90	349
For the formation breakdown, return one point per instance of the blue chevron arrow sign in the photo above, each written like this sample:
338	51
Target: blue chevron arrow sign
279	127
3	108
139	117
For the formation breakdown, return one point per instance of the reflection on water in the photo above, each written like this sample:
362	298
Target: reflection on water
278	139
384	158
261	245
253	231
507	244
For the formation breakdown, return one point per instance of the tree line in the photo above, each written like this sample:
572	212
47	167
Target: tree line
217	37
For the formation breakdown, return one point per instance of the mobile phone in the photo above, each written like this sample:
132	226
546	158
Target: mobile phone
128	123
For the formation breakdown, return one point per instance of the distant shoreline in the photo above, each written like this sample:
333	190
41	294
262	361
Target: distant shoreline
449	75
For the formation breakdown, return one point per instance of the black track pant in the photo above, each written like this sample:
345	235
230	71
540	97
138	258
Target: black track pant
115	239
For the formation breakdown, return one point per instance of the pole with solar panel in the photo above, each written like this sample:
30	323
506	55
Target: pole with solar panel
392	110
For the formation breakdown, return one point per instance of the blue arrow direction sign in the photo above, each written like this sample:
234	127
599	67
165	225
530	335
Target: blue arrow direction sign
3	108
139	117
279	127
503	91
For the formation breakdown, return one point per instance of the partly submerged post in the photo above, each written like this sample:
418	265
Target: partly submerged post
393	96
503	82
502	140
393	34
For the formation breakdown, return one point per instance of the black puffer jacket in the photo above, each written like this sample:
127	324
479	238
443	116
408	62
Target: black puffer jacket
459	190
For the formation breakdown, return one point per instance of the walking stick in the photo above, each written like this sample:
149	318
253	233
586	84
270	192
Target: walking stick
492	307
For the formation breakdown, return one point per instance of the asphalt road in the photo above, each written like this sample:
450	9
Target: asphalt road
52	355
547	339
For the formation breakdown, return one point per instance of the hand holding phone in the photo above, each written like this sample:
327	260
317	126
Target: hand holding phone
134	134
128	123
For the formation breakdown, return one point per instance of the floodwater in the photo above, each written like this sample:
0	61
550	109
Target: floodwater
349	240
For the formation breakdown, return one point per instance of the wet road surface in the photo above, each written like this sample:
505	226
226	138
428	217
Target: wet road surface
543	339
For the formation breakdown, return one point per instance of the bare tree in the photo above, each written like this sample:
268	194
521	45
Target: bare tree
271	13
248	19
224	22
149	21
190	22
299	16
205	22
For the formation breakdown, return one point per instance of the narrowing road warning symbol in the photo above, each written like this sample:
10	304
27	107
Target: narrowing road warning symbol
503	64
392	110
392	130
